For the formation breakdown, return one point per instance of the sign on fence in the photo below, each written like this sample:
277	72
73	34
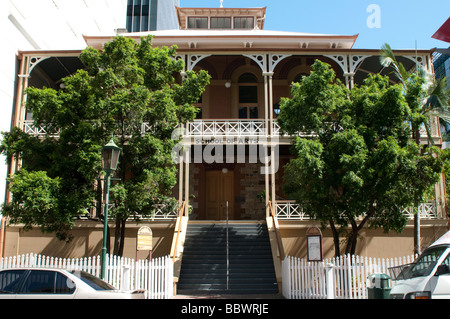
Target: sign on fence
144	241
314	244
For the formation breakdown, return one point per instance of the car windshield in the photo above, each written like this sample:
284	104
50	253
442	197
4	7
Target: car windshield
424	264
93	281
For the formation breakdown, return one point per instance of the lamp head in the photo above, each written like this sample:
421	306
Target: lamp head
110	156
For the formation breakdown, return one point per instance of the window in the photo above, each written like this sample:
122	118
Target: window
47	282
197	23
10	281
94	282
425	263
248	89
220	23
248	96
199	114
248	78
244	23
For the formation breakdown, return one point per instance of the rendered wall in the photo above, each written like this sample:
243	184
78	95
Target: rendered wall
87	241
371	242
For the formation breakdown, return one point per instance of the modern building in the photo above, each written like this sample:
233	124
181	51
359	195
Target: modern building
251	69
43	25
441	62
151	15
46	25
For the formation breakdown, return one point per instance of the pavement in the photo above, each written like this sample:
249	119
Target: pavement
222	296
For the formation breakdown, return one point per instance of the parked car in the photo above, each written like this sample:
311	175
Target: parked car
428	276
48	283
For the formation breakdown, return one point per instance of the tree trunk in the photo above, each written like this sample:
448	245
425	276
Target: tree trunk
337	251
119	236
122	238
352	240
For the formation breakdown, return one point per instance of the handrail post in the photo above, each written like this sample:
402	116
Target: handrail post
276	227
178	229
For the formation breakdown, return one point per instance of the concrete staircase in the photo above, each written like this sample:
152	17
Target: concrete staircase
204	264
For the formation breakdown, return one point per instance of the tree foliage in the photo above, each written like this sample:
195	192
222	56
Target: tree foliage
357	165
123	87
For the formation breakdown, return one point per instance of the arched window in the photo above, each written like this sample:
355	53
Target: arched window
248	96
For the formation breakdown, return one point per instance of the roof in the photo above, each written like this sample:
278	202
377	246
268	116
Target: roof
236	39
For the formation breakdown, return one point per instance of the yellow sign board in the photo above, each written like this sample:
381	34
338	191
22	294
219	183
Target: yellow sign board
144	238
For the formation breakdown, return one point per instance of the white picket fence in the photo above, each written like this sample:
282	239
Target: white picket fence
155	276
345	277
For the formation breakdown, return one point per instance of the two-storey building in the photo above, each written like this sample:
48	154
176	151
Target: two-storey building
232	166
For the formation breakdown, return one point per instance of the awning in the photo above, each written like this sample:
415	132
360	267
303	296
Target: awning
443	33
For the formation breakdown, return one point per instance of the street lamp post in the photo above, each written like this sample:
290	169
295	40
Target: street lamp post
110	158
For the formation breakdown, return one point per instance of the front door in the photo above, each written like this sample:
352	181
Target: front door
219	190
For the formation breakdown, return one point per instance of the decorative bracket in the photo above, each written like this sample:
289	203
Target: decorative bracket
355	60
32	62
193	59
341	60
275	59
419	60
260	59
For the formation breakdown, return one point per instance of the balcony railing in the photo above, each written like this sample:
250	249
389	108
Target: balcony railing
37	131
226	127
159	212
289	210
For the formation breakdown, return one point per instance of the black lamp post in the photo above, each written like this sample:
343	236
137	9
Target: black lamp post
110	158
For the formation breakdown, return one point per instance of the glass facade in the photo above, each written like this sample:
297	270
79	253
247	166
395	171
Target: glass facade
151	15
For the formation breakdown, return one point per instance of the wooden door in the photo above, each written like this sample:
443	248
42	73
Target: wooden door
219	190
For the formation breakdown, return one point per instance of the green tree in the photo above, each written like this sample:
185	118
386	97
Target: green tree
426	97
360	167
128	90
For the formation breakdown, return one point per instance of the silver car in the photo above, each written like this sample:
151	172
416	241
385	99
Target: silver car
48	283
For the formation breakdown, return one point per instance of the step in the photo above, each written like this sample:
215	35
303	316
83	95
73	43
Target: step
204	263
201	289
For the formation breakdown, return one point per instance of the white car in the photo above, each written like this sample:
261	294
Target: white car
48	283
428	277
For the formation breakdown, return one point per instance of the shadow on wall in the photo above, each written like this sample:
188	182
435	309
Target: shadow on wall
87	241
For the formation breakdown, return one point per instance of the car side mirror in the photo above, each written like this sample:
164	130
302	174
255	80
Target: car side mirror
442	269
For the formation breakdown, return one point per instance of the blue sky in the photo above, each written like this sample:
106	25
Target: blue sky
401	22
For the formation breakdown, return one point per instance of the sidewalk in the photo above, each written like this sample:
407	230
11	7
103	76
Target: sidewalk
220	296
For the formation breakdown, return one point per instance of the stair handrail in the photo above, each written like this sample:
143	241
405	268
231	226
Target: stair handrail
228	257
178	229
276	229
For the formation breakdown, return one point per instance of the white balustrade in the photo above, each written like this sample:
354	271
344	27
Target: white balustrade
226	128
291	210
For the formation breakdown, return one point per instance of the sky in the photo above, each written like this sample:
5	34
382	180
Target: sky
400	23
